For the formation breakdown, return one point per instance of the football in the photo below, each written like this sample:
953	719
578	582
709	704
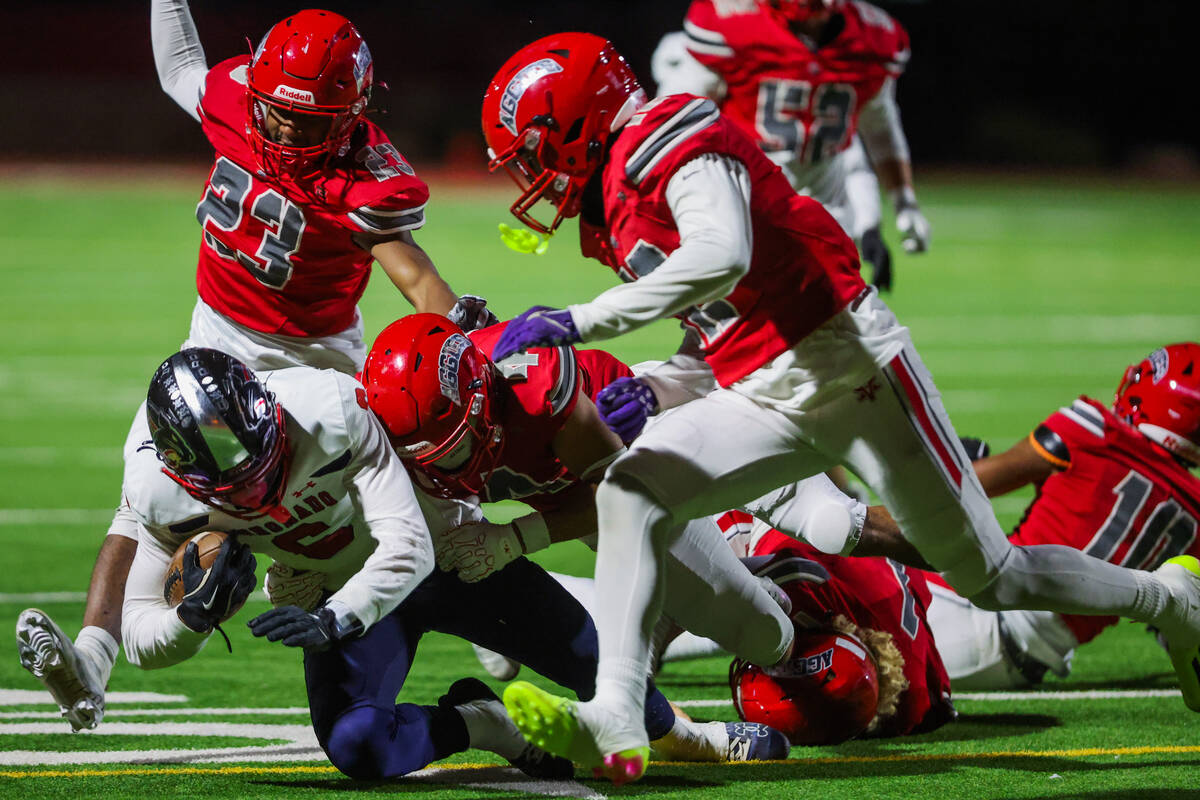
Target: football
208	544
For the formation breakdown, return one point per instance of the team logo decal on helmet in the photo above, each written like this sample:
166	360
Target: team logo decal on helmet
1159	362
517	86
448	362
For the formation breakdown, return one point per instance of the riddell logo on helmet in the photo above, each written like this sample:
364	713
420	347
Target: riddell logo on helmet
517	86
296	95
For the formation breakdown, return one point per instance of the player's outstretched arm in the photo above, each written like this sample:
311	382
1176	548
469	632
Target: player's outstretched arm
1018	466
178	55
413	273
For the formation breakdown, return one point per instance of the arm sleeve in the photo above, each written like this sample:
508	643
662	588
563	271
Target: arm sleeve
710	200
403	556
684	377
151	631
675	71
880	129
178	54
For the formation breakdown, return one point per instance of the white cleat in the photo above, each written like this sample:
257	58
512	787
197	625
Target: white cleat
51	658
502	668
1181	576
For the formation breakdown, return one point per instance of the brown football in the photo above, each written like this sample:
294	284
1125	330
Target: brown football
208	544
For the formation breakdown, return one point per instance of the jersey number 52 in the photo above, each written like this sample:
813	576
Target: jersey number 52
783	107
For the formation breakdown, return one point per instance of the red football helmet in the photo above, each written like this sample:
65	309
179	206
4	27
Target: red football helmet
547	115
804	10
313	63
826	693
431	388
1160	396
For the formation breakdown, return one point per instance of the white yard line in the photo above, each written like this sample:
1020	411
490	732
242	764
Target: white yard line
1096	694
166	712
22	697
56	516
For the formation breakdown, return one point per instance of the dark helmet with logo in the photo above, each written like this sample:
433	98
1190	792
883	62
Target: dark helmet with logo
218	432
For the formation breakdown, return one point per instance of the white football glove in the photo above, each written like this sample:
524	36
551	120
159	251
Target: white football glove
914	228
294	587
476	549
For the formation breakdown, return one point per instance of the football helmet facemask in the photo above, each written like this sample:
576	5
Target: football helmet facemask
218	432
313	66
548	115
431	388
1160	396
826	693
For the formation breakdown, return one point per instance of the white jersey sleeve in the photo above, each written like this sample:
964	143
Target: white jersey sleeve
880	129
709	198
178	55
676	71
380	488
684	377
152	632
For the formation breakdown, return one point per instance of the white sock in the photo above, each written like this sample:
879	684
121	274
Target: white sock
489	728
689	645
99	649
694	741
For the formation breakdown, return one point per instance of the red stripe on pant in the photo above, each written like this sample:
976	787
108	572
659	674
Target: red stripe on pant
916	400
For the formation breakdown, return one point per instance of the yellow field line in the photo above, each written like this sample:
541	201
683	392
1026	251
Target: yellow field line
301	769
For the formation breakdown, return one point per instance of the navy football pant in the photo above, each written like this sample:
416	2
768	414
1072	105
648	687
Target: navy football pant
520	611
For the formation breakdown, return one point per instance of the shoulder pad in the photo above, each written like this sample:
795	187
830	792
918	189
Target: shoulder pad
1085	416
1050	446
690	116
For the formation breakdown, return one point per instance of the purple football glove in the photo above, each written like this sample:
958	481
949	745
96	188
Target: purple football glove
624	406
538	327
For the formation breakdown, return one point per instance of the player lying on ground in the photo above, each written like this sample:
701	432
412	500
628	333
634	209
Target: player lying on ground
304	194
1114	482
297	468
528	431
814	83
814	370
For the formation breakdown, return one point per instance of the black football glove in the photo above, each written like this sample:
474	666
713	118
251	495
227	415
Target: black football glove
976	448
875	253
296	627
209	597
471	313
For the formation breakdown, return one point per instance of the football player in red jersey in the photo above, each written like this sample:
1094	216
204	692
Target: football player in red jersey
304	194
812	370
873	594
813	82
1114	482
527	430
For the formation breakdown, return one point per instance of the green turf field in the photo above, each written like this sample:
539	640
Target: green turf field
1035	291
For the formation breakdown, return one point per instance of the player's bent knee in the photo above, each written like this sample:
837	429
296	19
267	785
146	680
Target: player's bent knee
353	743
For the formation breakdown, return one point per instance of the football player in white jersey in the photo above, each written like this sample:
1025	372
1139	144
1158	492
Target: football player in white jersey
294	466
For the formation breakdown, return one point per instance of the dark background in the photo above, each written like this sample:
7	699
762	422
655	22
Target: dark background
1077	85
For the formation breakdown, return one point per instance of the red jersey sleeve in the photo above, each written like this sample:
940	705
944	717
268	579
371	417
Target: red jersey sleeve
599	368
544	380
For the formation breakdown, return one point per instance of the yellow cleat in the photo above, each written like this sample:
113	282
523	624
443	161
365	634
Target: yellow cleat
552	723
1185	651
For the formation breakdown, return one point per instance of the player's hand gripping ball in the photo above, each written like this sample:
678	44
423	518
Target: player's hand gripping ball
208	580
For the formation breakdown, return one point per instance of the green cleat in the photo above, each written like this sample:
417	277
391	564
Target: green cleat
553	724
1185	650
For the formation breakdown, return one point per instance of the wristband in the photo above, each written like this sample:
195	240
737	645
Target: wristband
532	532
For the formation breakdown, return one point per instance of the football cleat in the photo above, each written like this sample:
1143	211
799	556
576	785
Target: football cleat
721	742
530	759
753	741
502	668
51	658
1182	578
558	725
